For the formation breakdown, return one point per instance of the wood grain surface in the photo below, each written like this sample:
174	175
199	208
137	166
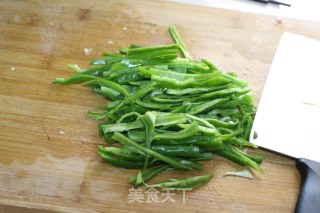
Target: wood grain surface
47	143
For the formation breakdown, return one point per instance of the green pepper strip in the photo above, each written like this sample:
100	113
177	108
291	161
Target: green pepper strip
148	121
109	93
202	129
232	91
239	130
206	106
232	133
211	66
106	53
248	127
184	133
121	127
177	38
219	123
176	164
107	83
113	104
122	163
257	159
73	79
140	83
136	136
164	116
161	120
183	183
201	67
75	67
141	93
128	115
107	114
234	80
120	153
205	156
124	50
207	142
194	118
131	149
96	70
246	99
108	138
154	61
166	82
182	97
238	157
240	142
153	105
151	49
188	91
185	91
148	174
185	151
186	162
134	108
167	100
174	80
124	76
118	69
147	55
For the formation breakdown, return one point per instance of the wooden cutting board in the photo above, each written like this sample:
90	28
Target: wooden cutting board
47	143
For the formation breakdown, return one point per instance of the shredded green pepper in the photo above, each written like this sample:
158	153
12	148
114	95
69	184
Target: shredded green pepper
188	183
168	112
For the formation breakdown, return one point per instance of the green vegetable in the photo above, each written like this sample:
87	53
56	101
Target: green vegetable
146	175
148	120
174	163
118	162
185	133
120	153
107	83
74	79
243	173
167	112
238	157
188	183
187	151
176	37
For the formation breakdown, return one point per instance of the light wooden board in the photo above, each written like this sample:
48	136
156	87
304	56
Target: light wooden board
47	143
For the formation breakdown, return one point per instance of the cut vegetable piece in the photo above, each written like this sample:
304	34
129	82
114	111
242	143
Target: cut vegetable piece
243	173
189	183
186	151
107	83
236	156
121	163
148	120
177	38
146	175
121	138
185	133
74	79
75	68
120	153
168	111
152	49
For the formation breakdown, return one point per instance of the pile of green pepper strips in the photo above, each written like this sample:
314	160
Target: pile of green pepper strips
166	112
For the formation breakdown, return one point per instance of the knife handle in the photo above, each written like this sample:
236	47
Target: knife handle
309	198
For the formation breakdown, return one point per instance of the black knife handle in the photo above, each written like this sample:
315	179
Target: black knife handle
309	198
